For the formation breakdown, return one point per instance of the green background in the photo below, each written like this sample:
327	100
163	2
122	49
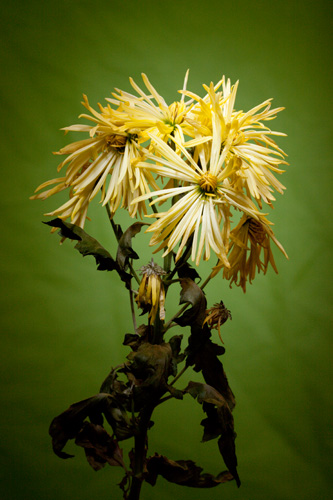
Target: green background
63	323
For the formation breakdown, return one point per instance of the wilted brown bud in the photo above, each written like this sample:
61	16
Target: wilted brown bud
216	316
151	294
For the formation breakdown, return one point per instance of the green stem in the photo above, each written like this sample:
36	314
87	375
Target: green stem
140	452
116	233
168	324
167	262
158	330
137	279
133	309
183	370
207	280
153	207
114	226
183	258
162	400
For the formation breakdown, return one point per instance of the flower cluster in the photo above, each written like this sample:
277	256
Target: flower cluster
216	161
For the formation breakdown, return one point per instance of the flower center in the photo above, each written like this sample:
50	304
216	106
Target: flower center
257	232
175	114
208	183
116	141
152	269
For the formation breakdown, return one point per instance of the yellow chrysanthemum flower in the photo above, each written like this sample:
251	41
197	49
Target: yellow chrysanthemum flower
204	200
253	157
249	239
151	294
108	155
140	115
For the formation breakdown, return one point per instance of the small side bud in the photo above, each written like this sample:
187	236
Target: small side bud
151	294
217	316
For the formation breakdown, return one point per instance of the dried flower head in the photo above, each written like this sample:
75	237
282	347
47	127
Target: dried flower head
151	294
250	239
217	316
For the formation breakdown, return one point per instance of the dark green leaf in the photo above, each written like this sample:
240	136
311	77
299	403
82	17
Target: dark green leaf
150	363
86	244
89	246
120	422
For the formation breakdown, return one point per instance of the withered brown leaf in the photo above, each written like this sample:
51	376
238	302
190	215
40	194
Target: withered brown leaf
186	271
219	422
68	424
125	250
87	245
148	371
182	472
192	293
203	354
99	446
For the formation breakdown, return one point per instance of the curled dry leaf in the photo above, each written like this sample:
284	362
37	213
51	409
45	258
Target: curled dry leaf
203	354
177	356
68	424
112	385
148	371
192	293
182	472
86	244
185	270
143	334
99	446
219	422
125	250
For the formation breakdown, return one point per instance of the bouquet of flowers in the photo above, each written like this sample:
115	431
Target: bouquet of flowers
198	173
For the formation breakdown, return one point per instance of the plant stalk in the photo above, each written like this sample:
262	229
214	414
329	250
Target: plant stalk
116	233
140	452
